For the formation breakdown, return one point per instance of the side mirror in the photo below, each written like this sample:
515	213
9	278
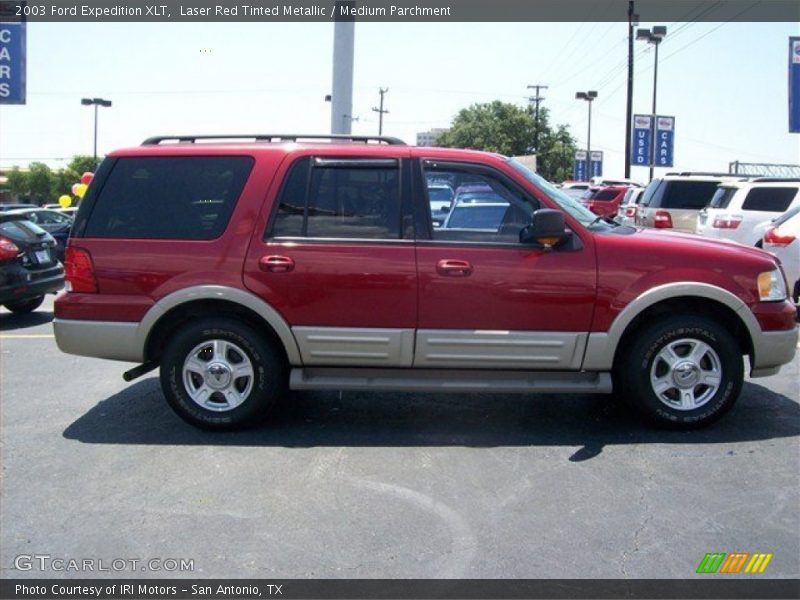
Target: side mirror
547	229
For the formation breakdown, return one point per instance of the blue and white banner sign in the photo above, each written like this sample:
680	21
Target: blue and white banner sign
665	141
12	63
596	163
642	140
794	84
579	169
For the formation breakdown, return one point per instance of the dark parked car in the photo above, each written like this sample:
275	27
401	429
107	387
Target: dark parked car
29	268
5	207
53	222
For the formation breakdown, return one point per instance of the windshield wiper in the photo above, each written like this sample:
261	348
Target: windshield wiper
602	218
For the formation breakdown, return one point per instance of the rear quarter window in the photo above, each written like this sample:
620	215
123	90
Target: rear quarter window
770	199
188	198
722	197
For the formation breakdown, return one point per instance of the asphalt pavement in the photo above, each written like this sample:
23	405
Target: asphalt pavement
368	485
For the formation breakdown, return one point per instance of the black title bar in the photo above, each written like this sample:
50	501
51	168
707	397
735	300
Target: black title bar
435	11
400	589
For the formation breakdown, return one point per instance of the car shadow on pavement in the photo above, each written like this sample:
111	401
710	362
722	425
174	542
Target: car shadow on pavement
140	415
11	321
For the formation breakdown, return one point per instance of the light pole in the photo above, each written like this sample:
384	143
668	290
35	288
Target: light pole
658	33
589	97
95	102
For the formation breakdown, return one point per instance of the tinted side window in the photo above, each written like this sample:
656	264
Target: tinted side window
688	194
347	198
292	201
769	199
650	192
354	203
189	198
722	197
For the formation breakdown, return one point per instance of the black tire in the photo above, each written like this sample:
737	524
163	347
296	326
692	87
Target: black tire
632	373
269	374
22	307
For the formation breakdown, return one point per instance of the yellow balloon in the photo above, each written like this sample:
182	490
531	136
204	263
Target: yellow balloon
80	189
65	201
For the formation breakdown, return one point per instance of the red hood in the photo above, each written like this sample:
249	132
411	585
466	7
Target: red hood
690	240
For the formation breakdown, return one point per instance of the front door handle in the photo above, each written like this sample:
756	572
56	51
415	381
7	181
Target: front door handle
276	264
454	268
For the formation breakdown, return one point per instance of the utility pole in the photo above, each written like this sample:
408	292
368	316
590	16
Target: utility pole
380	110
536	100
633	20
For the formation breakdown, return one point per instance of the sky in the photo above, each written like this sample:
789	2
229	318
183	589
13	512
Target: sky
725	83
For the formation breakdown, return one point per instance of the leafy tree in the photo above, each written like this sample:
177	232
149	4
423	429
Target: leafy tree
79	165
39	182
495	127
61	181
508	129
18	183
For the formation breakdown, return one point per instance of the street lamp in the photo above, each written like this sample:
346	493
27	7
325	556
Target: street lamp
96	102
655	37
589	97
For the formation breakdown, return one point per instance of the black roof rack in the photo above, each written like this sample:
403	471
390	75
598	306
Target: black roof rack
274	137
776	180
707	174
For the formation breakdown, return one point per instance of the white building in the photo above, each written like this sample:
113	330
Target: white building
428	138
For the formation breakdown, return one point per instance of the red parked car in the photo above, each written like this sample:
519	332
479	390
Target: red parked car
289	262
605	201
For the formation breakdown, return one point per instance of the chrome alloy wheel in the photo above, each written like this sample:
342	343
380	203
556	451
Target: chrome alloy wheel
218	375
686	374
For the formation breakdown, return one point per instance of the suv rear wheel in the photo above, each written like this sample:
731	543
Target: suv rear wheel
684	372
221	374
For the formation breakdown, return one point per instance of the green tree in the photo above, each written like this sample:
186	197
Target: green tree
18	183
494	127
79	165
40	182
508	129
60	183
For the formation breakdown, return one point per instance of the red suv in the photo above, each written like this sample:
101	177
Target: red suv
605	201
246	268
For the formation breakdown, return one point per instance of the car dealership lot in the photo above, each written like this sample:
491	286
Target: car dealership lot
382	485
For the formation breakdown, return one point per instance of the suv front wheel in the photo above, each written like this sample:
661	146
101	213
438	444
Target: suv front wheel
684	372
221	374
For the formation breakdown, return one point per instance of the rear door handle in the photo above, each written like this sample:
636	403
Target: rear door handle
454	268
276	264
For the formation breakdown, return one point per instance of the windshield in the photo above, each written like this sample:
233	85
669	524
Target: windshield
571	206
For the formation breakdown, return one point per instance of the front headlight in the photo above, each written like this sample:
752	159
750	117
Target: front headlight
772	286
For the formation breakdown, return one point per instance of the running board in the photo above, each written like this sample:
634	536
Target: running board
449	380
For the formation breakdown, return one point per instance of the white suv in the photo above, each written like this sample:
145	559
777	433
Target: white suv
673	201
743	210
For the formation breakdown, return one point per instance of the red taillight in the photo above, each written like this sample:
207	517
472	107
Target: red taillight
79	271
727	222
630	211
777	239
8	249
662	220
